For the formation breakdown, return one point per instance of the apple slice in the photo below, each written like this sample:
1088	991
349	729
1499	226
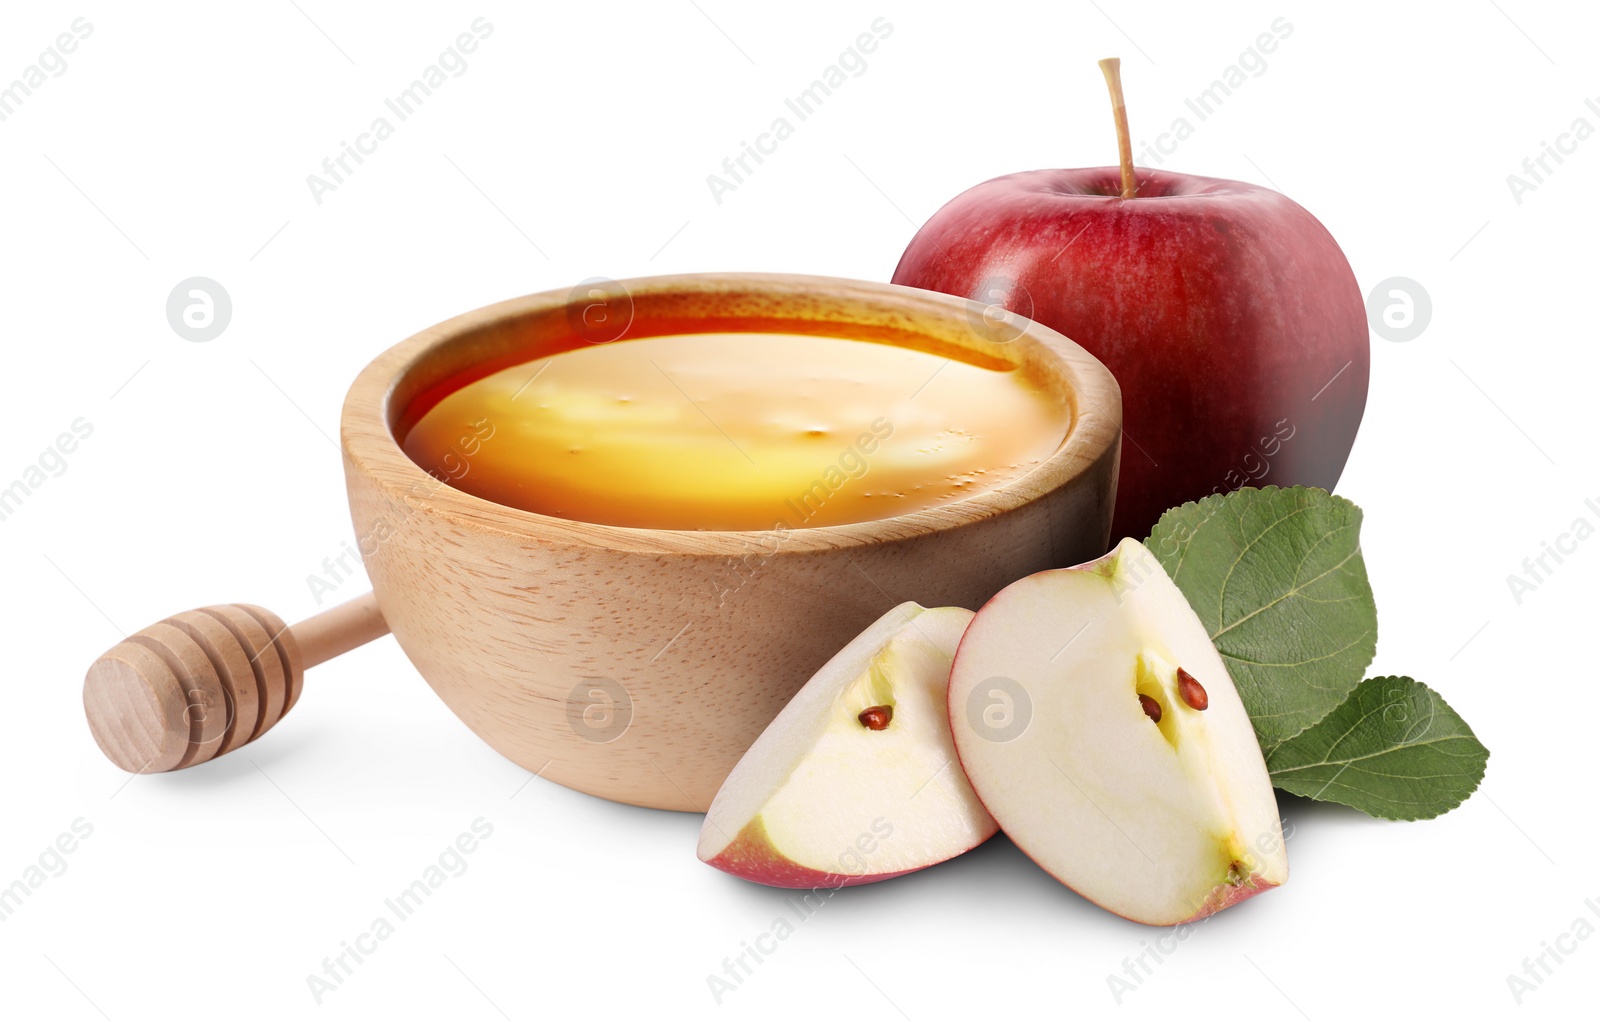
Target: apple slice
1098	723
856	779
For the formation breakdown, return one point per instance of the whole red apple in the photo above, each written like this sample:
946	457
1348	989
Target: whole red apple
1226	311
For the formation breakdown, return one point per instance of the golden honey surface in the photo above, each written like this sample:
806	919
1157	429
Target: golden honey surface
739	431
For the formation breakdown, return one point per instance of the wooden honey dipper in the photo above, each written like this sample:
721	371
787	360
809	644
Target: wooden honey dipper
202	683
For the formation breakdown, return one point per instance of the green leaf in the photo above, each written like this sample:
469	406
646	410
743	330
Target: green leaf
1277	578
1394	749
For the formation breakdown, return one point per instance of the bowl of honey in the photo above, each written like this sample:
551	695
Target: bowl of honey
615	528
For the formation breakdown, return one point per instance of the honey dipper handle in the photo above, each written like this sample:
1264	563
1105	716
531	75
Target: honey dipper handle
202	683
336	631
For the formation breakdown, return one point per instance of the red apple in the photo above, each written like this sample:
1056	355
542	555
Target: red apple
1226	311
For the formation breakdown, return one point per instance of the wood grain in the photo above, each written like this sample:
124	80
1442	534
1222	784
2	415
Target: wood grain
194	686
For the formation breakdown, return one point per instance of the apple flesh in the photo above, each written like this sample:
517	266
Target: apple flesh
1073	700
1226	311
855	780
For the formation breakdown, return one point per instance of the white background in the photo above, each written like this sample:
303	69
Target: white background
577	143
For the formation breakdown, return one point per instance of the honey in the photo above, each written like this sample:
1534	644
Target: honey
738	431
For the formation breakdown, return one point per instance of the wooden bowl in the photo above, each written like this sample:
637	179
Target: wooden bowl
639	664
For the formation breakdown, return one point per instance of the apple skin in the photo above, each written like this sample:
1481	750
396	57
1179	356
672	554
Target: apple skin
1227	897
1224	309
751	856
1223	897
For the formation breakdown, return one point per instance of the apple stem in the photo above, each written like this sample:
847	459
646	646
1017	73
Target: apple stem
1111	67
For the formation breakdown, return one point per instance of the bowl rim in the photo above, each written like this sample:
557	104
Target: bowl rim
371	448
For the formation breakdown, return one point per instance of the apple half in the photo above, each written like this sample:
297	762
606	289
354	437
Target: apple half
1097	722
855	780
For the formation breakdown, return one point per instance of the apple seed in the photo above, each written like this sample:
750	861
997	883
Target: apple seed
876	717
1191	690
1151	707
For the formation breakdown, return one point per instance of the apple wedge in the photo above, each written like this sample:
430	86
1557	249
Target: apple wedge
1097	722
855	780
